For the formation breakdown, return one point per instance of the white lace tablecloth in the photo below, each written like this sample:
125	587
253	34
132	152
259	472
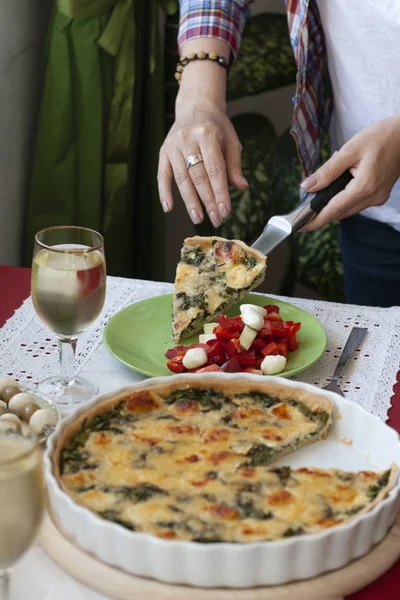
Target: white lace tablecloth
28	352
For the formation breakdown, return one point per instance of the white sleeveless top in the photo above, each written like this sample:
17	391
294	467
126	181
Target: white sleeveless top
363	38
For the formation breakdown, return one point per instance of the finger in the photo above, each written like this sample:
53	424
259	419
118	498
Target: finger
233	153
346	203
331	170
164	177
215	167
186	188
201	182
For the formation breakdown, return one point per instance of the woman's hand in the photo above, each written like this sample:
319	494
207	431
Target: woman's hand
201	128
373	158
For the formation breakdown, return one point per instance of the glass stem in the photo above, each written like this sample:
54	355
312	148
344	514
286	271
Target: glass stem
4	585
67	349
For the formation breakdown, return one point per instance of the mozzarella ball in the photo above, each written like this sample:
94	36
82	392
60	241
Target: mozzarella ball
259	309
273	364
194	357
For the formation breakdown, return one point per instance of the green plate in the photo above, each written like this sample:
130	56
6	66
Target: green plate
140	334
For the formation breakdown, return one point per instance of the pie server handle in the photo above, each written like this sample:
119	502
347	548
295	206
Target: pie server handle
313	202
321	198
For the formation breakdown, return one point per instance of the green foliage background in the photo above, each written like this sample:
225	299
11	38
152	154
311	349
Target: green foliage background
269	161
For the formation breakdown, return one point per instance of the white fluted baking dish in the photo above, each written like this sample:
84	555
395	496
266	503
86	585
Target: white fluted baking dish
374	446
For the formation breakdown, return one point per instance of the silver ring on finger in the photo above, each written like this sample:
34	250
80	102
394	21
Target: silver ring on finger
193	159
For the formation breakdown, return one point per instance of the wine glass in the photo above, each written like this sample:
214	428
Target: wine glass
68	292
21	495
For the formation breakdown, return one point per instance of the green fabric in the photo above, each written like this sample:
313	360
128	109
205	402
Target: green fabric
100	130
84	9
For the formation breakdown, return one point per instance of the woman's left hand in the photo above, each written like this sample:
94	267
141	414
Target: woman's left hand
373	158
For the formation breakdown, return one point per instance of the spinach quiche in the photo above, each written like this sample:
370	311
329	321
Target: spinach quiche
196	463
213	273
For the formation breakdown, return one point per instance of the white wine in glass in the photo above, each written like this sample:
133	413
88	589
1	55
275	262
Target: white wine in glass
21	496
68	292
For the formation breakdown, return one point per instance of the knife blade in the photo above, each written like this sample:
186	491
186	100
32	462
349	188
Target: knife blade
281	227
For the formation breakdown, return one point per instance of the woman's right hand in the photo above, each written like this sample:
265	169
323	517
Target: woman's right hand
201	127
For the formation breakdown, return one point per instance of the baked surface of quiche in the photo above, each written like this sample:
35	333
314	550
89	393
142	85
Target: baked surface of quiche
212	275
195	463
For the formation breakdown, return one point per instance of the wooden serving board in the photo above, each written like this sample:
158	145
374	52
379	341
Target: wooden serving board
123	586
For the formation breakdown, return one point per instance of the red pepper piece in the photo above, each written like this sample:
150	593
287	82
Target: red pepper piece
231	324
233	348
176	351
215	350
274	328
273	317
209	369
175	365
258	344
254	371
270	348
247	360
272	308
223	334
282	348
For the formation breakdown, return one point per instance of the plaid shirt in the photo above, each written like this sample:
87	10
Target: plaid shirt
225	20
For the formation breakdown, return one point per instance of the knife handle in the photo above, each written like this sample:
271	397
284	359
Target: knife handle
322	197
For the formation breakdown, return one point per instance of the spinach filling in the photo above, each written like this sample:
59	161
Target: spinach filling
186	302
283	473
374	490
248	510
74	458
352	511
249	262
113	515
137	493
261	455
207	399
264	399
318	416
291	532
192	256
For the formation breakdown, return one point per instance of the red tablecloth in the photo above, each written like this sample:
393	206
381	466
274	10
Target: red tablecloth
15	287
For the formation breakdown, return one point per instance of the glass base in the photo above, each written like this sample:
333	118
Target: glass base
78	391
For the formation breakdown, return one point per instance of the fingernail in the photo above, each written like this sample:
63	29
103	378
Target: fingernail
244	180
309	182
215	219
196	218
223	210
165	206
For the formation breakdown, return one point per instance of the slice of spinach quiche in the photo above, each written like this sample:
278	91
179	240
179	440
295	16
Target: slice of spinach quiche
213	274
194	463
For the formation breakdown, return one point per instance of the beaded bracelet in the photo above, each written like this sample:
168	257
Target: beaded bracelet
185	60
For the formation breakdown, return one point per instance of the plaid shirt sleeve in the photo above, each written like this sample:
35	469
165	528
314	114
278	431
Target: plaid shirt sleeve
222	19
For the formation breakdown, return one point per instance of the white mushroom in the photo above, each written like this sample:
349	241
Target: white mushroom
10	418
8	426
41	418
7	382
20	400
3	404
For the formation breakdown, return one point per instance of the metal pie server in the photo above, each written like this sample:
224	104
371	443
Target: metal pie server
280	227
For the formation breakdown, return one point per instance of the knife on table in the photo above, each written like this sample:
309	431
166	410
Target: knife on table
281	227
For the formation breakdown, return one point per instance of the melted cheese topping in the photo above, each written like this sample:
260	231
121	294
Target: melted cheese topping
194	466
208	280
